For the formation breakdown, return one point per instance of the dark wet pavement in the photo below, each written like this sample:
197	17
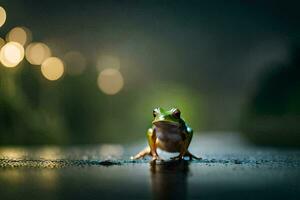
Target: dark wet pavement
230	169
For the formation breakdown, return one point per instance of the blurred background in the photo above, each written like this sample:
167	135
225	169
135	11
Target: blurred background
81	72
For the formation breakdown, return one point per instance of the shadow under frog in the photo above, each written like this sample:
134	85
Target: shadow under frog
169	179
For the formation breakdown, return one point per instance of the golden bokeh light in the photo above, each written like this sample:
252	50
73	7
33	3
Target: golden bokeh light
2	42
52	68
11	54
13	153
107	61
110	81
75	62
21	35
49	153
37	52
2	16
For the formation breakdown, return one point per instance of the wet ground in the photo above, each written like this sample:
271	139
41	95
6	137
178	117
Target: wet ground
230	169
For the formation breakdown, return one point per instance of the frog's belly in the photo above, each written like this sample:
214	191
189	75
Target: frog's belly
169	140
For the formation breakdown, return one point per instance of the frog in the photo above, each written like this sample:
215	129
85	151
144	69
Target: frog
170	133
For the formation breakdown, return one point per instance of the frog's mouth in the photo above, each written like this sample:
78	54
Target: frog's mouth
165	123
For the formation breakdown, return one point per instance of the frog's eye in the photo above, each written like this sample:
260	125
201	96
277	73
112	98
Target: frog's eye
176	113
154	113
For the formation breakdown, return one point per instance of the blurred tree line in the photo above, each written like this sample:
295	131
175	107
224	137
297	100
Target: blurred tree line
72	110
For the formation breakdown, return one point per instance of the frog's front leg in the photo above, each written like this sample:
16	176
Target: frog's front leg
151	136
151	150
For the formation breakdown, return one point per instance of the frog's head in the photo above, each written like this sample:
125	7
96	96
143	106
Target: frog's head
166	117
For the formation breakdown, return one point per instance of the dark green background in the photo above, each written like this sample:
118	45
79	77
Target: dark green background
229	66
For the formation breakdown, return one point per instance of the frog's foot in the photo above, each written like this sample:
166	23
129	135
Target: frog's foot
179	157
141	154
191	156
156	158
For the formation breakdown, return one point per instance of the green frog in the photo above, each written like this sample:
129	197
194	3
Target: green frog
170	133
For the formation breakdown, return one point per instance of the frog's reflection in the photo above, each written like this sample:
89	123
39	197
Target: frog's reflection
169	179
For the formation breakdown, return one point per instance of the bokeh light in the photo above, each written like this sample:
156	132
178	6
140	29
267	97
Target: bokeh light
52	68
11	54
110	81
75	62
2	42
111	150
49	153
13	153
21	35
37	52
2	16
107	61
